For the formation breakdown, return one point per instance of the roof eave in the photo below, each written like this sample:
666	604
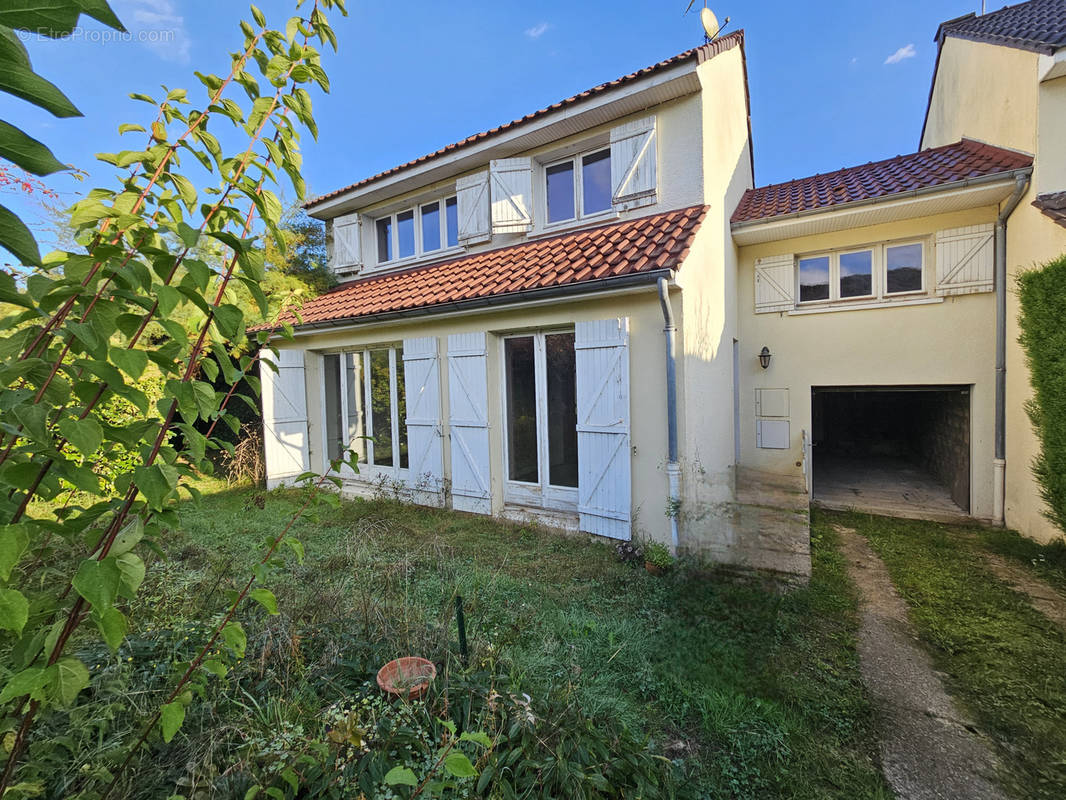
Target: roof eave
544	294
778	227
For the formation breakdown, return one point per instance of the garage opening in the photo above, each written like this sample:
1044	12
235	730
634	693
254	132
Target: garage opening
893	450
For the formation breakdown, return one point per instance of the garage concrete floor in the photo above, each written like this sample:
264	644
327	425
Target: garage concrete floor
882	485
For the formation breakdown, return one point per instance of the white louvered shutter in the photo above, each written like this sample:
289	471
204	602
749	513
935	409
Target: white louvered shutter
472	197
421	371
284	417
966	260
775	284
633	178
347	243
469	422
511	192
603	486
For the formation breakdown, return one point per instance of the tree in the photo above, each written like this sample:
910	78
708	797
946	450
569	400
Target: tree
305	254
164	278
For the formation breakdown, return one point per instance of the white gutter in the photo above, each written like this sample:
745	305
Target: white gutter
999	463
673	467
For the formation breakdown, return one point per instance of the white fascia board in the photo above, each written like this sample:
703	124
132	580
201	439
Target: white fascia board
959	196
1053	66
669	84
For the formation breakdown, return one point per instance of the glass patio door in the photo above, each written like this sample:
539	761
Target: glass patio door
540	420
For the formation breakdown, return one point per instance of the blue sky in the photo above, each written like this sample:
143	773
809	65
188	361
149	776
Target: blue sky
832	83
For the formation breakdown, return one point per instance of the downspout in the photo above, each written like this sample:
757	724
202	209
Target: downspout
999	463
673	468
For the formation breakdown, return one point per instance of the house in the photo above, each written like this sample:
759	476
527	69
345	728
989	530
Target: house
498	330
885	292
592	318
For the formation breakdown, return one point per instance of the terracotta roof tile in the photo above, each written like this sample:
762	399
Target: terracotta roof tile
701	53
1039	25
571	258
1053	205
934	167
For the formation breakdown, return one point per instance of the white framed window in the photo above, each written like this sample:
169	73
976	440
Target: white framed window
365	407
865	273
417	231
540	419
904	268
578	187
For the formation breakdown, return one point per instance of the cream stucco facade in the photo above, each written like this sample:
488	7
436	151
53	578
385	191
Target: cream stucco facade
923	340
1000	95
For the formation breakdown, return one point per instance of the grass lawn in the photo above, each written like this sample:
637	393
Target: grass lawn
692	685
1004	660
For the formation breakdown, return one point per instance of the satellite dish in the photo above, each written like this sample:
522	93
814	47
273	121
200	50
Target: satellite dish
709	22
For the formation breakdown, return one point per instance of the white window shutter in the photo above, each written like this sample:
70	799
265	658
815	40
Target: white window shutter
421	370
284	417
603	486
511	191
966	260
468	421
775	284
633	178
472	197
347	243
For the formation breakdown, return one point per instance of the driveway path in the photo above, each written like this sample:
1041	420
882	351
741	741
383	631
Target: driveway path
929	749
1042	596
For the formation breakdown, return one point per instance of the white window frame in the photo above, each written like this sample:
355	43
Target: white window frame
579	194
367	468
879	276
541	494
884	268
376	263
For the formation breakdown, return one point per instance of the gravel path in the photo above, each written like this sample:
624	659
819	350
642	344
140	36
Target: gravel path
929	748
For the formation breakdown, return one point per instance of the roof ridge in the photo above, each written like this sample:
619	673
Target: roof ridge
702	53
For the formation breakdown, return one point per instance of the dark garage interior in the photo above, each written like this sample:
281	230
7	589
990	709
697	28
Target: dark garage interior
892	449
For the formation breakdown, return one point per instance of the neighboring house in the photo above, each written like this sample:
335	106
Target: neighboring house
1001	78
589	317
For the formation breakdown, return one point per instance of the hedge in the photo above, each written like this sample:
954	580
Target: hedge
1042	292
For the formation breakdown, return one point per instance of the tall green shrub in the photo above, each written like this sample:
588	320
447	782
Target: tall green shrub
1043	322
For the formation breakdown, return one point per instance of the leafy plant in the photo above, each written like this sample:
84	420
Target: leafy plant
658	555
82	328
1042	293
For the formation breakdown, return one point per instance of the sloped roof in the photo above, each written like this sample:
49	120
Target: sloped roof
700	54
938	166
1038	25
589	256
1053	205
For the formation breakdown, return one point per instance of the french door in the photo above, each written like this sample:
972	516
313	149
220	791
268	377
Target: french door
540	420
366	409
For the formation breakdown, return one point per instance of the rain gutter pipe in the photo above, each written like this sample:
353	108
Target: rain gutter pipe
673	468
999	463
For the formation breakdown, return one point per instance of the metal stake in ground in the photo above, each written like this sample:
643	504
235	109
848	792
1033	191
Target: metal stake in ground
460	620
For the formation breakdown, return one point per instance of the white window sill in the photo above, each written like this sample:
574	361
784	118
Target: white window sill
566	225
859	306
413	261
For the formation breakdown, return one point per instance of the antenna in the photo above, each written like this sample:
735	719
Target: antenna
709	21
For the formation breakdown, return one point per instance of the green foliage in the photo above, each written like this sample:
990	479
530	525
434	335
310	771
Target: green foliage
1002	658
658	555
109	349
582	673
1042	293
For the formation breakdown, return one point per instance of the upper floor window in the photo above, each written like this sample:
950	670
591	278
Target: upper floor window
417	231
883	271
579	186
